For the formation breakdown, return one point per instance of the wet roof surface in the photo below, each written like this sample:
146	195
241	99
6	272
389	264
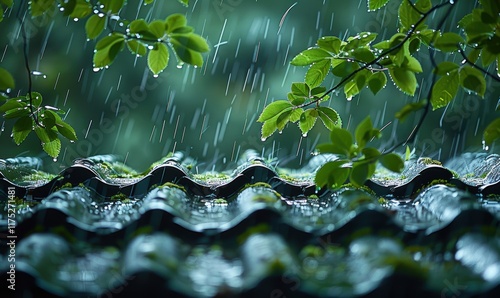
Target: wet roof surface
99	228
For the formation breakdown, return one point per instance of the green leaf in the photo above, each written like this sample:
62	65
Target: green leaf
359	174
136	47
113	6
376	4
317	73
146	2
477	31
66	130
332	174
295	100
269	127
22	128
408	16
139	27
157	28
187	55
330	44
472	80
329	117
300	89
48	119
295	115
94	26
273	109
184	2
39	7
16	113
283	118
404	79
412	64
392	162
341	141
360	40
492	132
344	68
310	56
307	120
410	108
370	153
52	148
363	54
377	82
191	41
445	89
449	42
487	56
175	21
365	132
6	80
12	104
445	68
106	50
158	58
81	9
356	84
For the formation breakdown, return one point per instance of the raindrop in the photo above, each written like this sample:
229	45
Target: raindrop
349	98
304	135
485	147
263	139
61	8
155	76
75	19
54	159
38	73
96	69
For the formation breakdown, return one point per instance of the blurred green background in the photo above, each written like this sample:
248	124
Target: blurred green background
210	113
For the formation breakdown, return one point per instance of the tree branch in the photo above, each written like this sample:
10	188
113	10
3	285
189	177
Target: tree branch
462	52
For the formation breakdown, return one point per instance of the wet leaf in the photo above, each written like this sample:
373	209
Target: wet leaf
445	68
341	141
359	40
174	21
449	42
158	58
363	54
81	9
107	48
365	132
94	26
273	109
444	90
12	104
473	80
22	128
317	73
344	68
359	174
376	4
330	44
492	132
307	120
192	41
139	26
50	142
113	6
187	55
408	16
329	117
157	28
7	3
393	162
300	89
404	79
310	56
48	119
66	130
136	47
184	2
332	174
377	82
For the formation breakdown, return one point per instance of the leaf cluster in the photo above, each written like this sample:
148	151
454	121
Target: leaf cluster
47	126
357	161
279	113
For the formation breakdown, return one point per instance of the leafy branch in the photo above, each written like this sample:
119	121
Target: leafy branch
139	37
353	59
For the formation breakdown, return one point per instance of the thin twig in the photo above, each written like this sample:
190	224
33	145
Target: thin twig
26	64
